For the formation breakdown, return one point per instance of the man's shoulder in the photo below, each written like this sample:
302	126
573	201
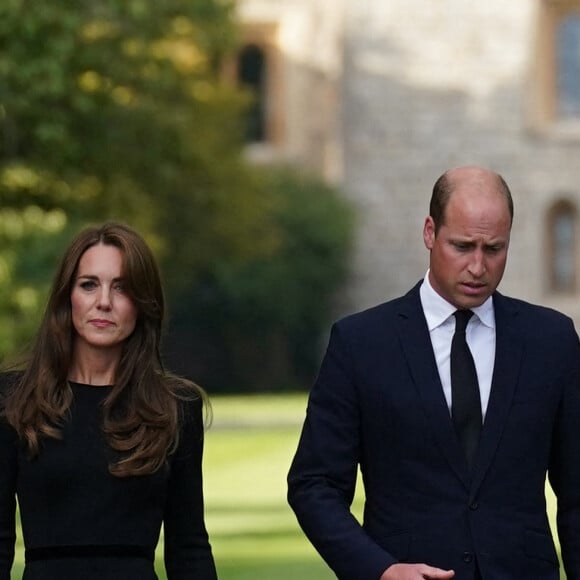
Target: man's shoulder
536	315
382	314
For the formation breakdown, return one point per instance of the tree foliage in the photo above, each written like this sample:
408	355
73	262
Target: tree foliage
258	323
116	109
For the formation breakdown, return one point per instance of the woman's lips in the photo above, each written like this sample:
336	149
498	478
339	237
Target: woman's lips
101	323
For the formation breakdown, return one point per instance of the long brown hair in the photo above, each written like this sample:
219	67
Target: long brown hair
140	416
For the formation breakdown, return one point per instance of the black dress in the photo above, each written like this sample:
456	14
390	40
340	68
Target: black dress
78	521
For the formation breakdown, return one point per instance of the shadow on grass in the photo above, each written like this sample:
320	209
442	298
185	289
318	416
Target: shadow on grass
285	533
249	508
279	569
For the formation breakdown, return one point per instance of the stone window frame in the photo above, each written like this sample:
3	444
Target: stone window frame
252	71
562	208
544	114
264	36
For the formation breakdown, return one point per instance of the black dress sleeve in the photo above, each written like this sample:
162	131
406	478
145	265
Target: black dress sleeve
8	472
188	553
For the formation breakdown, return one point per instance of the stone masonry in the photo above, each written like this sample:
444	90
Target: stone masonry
392	93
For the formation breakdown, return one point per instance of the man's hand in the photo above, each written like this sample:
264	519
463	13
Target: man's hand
415	572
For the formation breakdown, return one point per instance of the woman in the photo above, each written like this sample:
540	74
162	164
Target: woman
100	444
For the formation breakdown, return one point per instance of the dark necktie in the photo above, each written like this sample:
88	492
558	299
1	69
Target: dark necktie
465	401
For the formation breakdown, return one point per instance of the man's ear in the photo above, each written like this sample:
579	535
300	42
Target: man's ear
429	233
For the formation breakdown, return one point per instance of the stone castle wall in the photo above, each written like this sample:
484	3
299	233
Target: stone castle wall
433	85
382	97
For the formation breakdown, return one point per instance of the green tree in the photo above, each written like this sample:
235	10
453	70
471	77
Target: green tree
257	323
114	109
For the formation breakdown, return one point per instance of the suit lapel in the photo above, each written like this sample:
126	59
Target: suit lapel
418	350
508	357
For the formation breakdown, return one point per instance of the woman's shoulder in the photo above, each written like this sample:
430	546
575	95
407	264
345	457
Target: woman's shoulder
8	379
183	389
192	402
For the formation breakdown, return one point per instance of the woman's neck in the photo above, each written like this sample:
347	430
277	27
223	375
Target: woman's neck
94	367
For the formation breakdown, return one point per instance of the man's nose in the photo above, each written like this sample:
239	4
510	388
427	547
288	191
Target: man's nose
477	264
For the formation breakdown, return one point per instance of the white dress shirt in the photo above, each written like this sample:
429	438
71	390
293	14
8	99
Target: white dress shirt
480	335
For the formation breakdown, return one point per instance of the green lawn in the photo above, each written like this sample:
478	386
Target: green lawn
253	532
248	452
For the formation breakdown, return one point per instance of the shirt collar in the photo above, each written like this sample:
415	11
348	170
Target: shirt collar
437	310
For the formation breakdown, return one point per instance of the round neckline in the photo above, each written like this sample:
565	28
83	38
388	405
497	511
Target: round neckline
77	384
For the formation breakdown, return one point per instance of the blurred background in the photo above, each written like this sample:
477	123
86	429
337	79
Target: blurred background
278	155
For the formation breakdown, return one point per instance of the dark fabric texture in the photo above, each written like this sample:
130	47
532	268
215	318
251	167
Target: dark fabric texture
67	498
378	404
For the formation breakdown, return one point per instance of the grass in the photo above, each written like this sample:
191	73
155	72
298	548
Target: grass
253	532
248	451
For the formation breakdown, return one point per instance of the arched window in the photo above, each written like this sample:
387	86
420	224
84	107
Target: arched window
568	66
252	75
562	247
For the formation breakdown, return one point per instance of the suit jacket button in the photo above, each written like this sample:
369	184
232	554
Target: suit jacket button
473	506
467	557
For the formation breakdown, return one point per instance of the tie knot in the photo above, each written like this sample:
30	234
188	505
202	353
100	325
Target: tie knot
461	319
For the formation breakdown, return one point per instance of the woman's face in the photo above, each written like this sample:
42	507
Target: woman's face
103	315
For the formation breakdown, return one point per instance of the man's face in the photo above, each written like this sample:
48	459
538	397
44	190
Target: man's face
469	252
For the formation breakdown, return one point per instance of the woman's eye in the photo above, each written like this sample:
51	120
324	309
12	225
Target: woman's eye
88	285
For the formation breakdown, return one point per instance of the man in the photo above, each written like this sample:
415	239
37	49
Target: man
453	441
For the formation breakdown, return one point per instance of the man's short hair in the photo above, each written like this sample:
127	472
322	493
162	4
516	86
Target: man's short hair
442	191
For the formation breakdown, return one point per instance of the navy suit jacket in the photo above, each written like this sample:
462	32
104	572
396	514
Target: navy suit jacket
378	403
